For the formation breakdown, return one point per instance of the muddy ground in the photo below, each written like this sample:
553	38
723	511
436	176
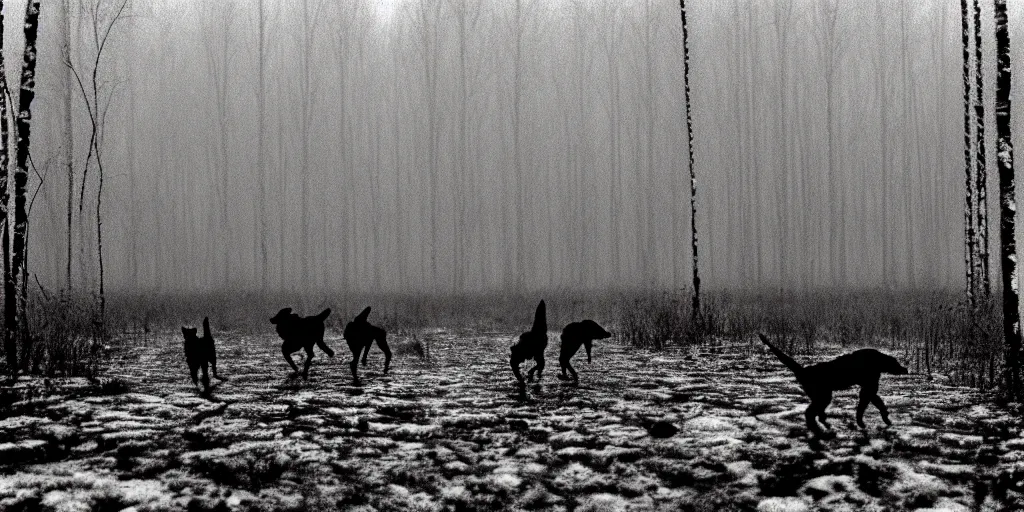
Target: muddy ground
454	432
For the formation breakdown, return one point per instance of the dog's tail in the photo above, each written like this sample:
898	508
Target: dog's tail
364	316
323	314
206	328
786	360
540	318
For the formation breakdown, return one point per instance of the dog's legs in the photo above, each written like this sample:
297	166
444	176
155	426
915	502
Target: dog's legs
566	365
515	370
288	357
867	394
539	368
194	370
382	342
565	353
809	415
309	361
355	363
366	350
823	418
817	408
206	378
323	346
213	364
877	400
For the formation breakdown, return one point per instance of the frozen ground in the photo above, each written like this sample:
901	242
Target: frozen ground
454	433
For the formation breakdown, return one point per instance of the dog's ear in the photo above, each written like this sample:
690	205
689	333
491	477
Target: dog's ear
540	318
594	330
281	315
184	332
362	317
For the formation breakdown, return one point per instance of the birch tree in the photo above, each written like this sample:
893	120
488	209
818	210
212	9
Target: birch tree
970	253
689	152
980	173
10	285
1008	208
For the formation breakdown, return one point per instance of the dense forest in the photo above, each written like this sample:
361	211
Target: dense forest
462	146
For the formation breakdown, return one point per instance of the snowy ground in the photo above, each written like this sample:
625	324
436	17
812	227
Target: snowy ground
454	433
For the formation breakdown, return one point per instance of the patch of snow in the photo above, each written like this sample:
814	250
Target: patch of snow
783	504
710	424
602	502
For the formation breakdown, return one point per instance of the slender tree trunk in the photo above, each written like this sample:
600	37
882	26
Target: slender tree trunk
1008	208
883	132
517	84
23	127
689	149
981	174
261	161
69	133
969	206
304	136
10	287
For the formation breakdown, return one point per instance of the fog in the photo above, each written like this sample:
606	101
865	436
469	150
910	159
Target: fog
450	146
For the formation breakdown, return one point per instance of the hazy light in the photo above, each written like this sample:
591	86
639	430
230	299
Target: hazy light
386	9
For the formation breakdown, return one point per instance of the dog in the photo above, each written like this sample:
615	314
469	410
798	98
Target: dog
360	335
301	333
531	345
576	334
201	353
859	368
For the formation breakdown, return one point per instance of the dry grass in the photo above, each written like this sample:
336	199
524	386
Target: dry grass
932	331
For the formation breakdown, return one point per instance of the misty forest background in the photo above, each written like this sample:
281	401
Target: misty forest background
312	151
463	146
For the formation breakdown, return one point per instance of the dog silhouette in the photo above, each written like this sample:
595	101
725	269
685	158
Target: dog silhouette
360	335
573	336
201	353
531	345
301	333
859	368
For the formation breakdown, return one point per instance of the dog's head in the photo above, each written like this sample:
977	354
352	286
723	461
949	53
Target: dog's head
590	329
894	367
282	316
191	339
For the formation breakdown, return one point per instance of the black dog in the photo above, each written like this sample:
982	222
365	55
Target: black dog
360	335
531	345
859	368
574	335
301	333
201	352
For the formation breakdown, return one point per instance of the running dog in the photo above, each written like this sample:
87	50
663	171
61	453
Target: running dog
360	335
860	368
531	345
575	334
201	352
301	333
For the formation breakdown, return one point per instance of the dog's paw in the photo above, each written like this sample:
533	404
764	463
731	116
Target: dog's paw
563	376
